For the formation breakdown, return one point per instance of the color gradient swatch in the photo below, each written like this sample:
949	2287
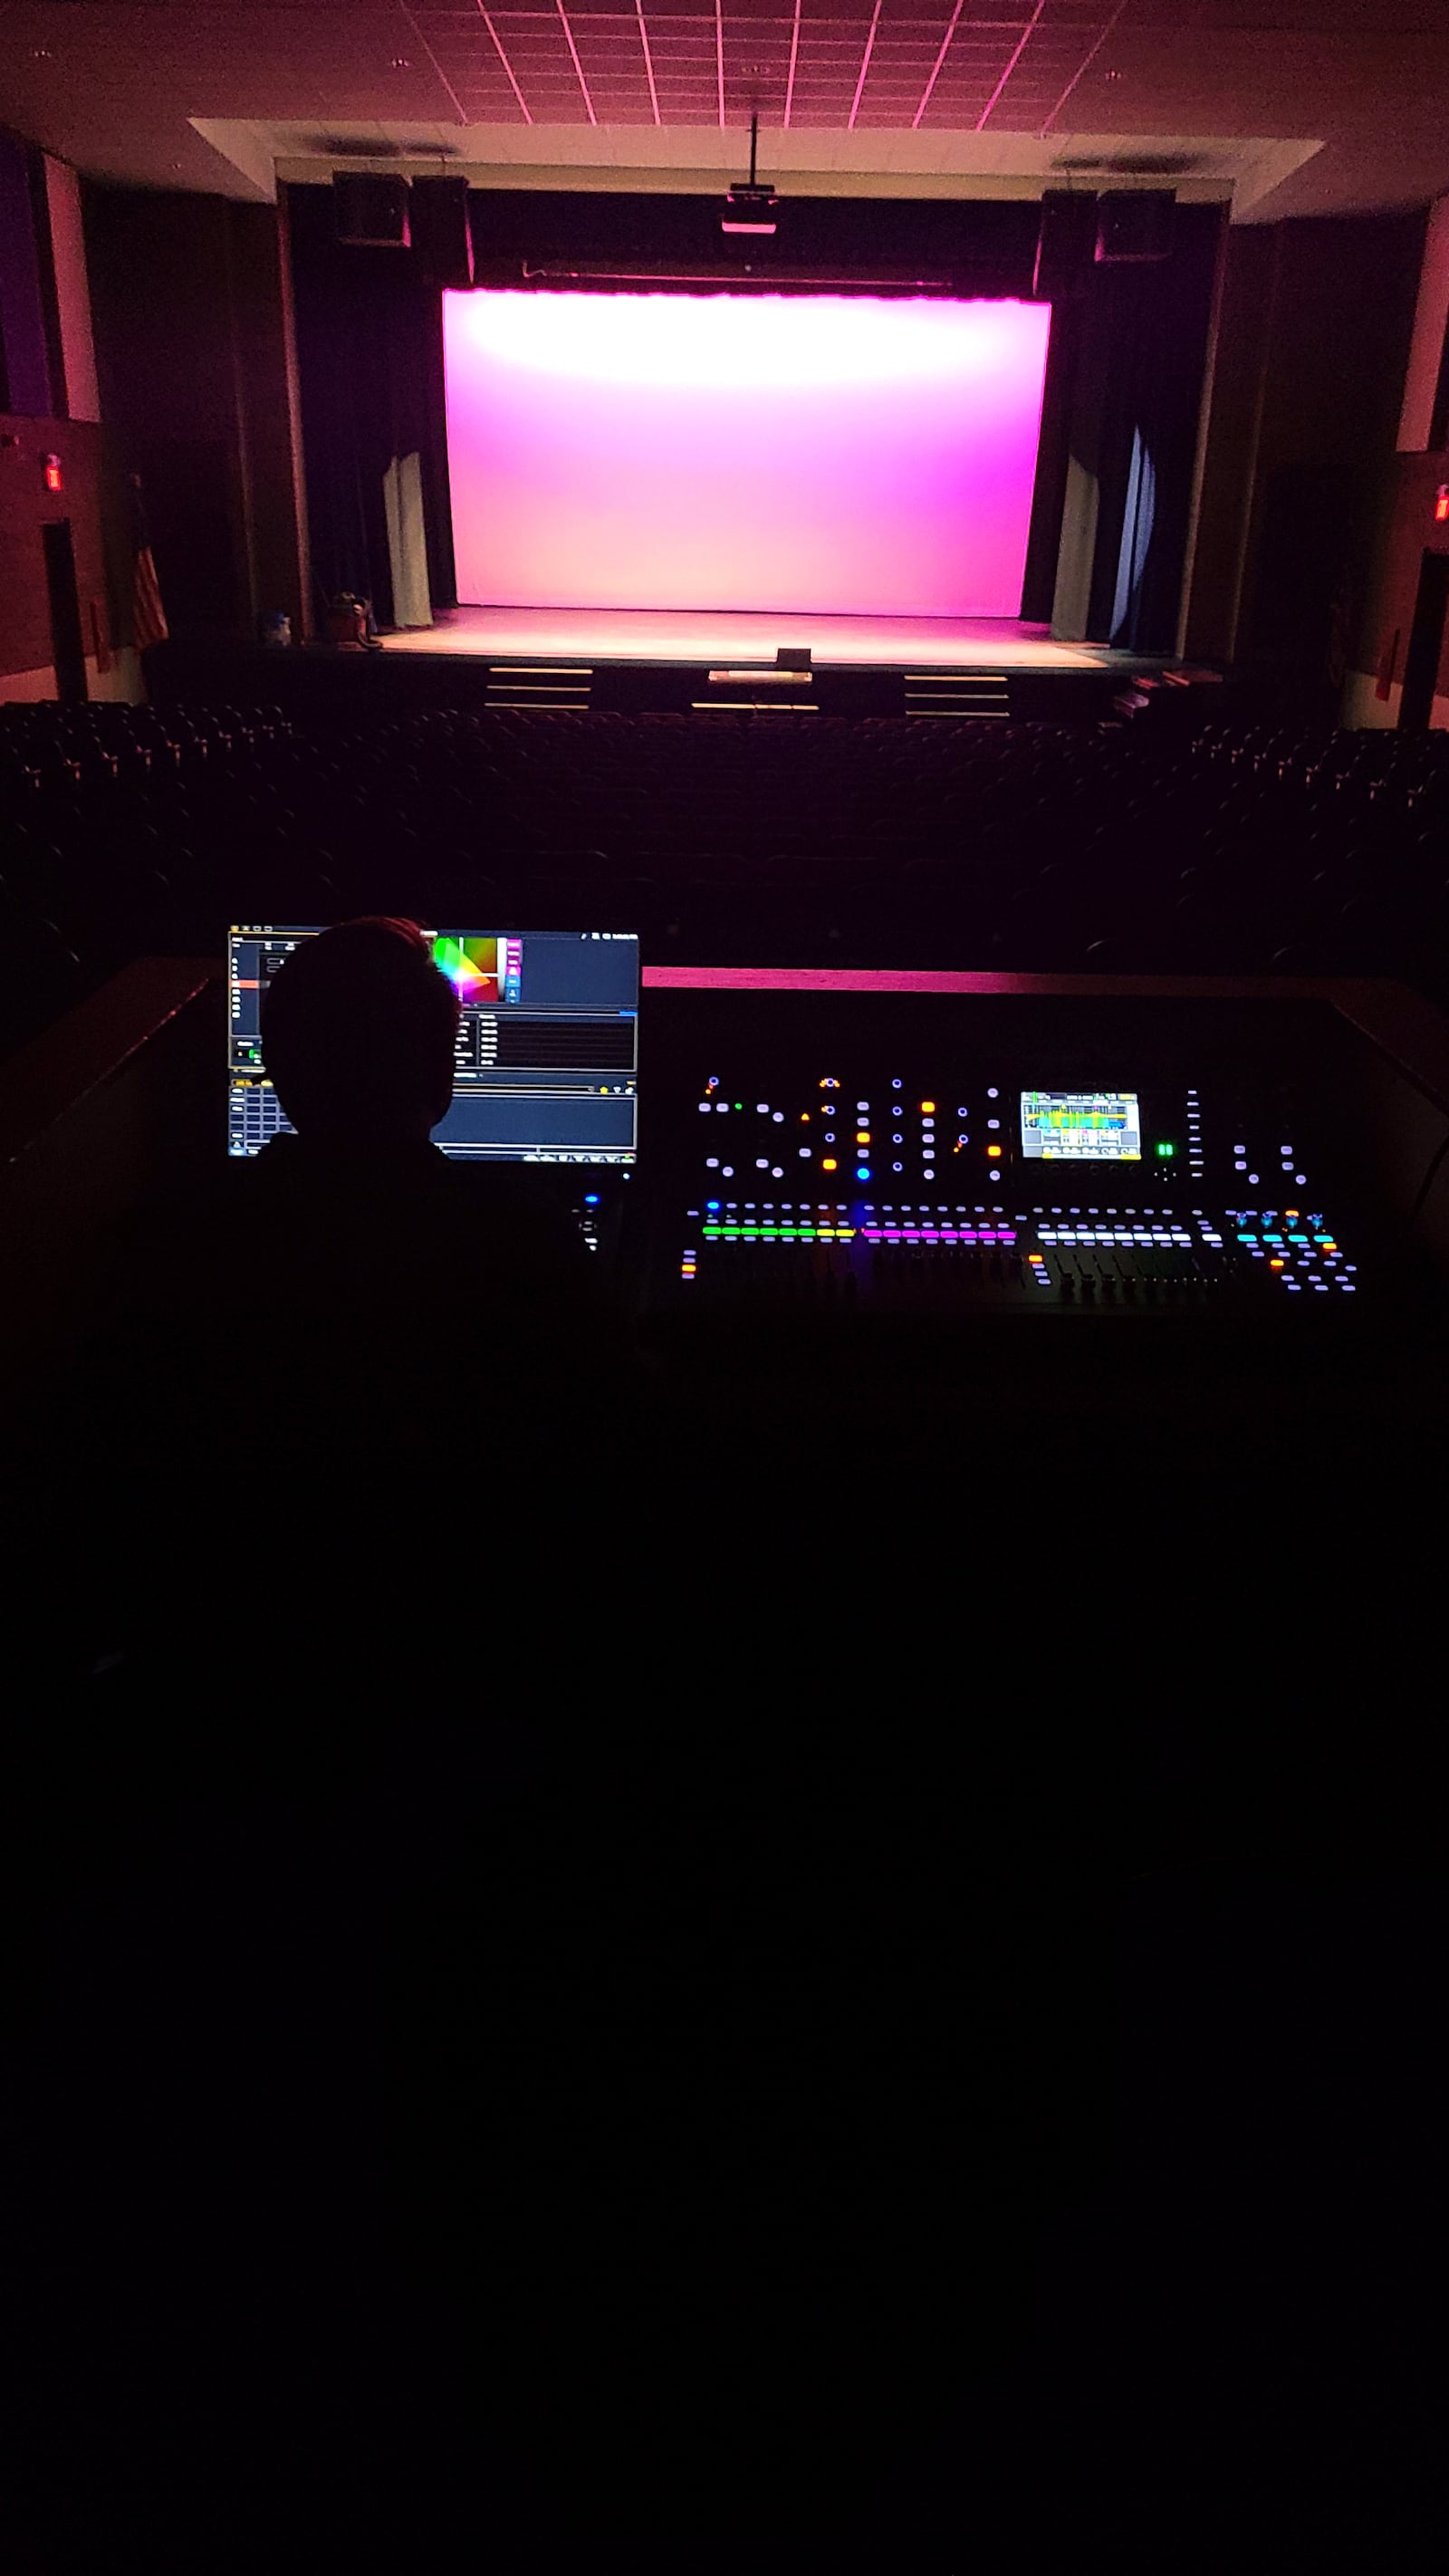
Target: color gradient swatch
471	966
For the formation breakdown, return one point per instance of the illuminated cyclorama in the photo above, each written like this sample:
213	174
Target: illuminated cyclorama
830	454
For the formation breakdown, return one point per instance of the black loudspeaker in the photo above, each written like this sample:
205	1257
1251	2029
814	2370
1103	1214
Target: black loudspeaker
442	233
371	210
1134	223
1065	244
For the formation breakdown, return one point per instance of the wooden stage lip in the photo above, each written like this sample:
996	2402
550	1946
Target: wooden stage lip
699	636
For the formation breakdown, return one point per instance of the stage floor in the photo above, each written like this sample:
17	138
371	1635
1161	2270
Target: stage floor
695	636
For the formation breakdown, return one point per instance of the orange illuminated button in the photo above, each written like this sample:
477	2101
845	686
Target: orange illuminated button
862	1135
1275	1265
928	1109
993	1153
828	1163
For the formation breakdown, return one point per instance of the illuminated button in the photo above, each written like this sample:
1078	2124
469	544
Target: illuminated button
993	1151
862	1135
927	1108
828	1163
804	1153
862	1171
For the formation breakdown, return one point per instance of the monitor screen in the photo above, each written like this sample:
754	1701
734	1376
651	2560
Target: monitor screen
548	1041
1081	1127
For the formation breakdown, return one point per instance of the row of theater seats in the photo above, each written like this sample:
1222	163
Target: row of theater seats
112	819
736	838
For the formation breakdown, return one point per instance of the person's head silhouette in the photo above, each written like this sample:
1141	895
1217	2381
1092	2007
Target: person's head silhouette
358	1031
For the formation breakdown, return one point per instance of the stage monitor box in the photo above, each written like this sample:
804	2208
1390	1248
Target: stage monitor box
442	233
1134	224
371	209
1065	244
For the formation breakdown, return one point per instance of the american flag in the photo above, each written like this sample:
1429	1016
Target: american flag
148	617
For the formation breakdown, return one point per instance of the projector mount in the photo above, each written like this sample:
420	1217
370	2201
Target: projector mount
750	203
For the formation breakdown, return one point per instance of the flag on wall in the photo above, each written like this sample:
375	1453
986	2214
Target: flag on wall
148	617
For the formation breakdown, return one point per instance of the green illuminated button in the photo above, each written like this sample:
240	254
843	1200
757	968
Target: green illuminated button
1165	1150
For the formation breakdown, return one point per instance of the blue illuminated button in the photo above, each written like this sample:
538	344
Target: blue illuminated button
591	1199
862	1171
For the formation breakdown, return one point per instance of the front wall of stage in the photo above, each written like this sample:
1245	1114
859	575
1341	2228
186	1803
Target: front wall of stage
845	454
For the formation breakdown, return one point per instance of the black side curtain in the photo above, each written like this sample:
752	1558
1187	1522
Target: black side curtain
370	364
1138	347
1154	320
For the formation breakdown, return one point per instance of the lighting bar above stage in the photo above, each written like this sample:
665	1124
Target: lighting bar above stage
742	280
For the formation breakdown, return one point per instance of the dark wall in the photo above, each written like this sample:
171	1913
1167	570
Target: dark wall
193	356
28	377
25	507
1313	341
1405	530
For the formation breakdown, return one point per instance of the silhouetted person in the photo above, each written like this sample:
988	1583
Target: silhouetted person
337	1359
358	1033
359	1218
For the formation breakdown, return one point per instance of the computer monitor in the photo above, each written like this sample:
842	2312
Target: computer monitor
548	1042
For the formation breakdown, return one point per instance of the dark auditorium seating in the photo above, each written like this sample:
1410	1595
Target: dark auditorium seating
1135	847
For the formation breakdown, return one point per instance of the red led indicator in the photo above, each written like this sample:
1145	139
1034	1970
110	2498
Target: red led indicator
1441	502
52	474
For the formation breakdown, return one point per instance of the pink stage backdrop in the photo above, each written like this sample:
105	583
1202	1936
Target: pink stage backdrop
833	453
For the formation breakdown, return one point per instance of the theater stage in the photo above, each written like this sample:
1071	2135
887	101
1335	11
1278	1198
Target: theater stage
640	661
675	662
696	636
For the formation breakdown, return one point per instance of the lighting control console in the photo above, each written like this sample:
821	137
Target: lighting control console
936	1155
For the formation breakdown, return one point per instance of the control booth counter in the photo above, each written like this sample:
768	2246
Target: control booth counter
1035	1195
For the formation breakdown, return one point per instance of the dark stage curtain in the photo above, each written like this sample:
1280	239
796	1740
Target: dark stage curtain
1154	320
1124	391
370	362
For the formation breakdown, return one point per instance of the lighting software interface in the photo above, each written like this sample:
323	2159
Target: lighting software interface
547	1053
